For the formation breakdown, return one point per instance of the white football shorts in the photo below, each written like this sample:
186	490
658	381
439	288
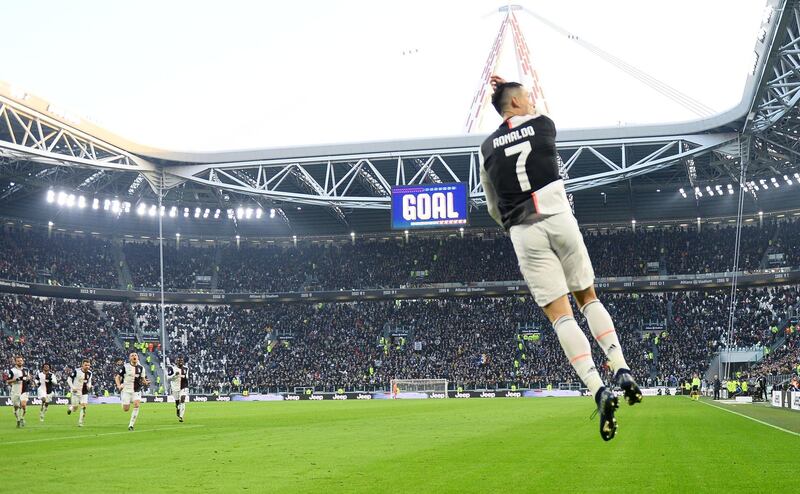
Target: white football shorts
552	257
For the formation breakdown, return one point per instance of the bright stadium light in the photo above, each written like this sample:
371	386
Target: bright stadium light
106	205
173	212
206	213
197	212
272	212
152	211
787	179
248	213
62	198
178	235
710	192
185	212
51	196
81	202
237	237
239	213
50	224
259	212
141	209
352	234
115	206
718	188
70	200
126	207
95	203
775	182
230	214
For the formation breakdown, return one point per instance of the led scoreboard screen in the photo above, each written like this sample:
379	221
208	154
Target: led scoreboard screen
429	206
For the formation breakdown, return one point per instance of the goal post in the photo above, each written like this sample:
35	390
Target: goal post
427	386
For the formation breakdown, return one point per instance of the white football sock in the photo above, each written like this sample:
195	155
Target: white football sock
604	333
578	351
182	409
83	414
134	414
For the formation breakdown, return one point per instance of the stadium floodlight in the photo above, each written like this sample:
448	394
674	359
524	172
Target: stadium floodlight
237	237
115	206
797	176
141	209
761	213
248	213
50	224
299	208
178	235
352	234
185	212
51	196
163	211
718	188
294	237
259	212
95	203
62	198
173	212
710	192
272	212
81	202
633	222
230	214
197	212
126	207
775	182
239	213
152	211
461	229
70	200
787	179
217	213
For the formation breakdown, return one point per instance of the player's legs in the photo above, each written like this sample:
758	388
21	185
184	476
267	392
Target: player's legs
182	408
23	405
135	413
602	326
83	402
15	401
566	240
125	397
43	408
542	271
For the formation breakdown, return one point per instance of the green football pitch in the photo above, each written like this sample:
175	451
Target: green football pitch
667	444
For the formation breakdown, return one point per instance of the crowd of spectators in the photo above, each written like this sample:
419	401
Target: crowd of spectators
473	343
59	332
182	265
36	256
87	261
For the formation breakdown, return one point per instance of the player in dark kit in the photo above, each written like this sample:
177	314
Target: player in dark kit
525	194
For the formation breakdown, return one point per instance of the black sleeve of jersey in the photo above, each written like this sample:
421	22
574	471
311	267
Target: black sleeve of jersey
121	371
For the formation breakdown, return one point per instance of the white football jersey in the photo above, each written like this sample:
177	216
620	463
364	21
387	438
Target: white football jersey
178	377
47	382
20	380
132	377
81	381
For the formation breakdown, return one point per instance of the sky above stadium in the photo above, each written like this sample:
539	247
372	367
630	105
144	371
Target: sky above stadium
210	75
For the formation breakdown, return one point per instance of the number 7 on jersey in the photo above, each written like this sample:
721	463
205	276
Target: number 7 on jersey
523	149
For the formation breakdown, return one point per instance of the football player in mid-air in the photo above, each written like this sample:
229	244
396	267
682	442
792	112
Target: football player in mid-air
525	194
179	386
130	380
20	380
46	380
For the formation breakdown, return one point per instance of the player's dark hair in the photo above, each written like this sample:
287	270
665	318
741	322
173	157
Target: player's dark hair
500	98
85	361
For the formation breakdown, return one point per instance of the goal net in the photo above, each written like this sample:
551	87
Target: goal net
427	386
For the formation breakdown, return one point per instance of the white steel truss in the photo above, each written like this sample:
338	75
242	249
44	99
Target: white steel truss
331	181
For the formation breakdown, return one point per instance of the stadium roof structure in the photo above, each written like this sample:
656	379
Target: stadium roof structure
680	170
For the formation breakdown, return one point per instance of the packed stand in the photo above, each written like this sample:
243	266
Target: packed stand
58	332
182	265
57	259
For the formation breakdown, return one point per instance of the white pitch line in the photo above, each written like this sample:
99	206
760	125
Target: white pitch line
751	418
91	436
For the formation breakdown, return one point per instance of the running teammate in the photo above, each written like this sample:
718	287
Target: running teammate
20	380
80	383
525	194
130	380
46	380
179	386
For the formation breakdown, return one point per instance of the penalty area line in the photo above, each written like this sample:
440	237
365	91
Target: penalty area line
91	436
751	418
